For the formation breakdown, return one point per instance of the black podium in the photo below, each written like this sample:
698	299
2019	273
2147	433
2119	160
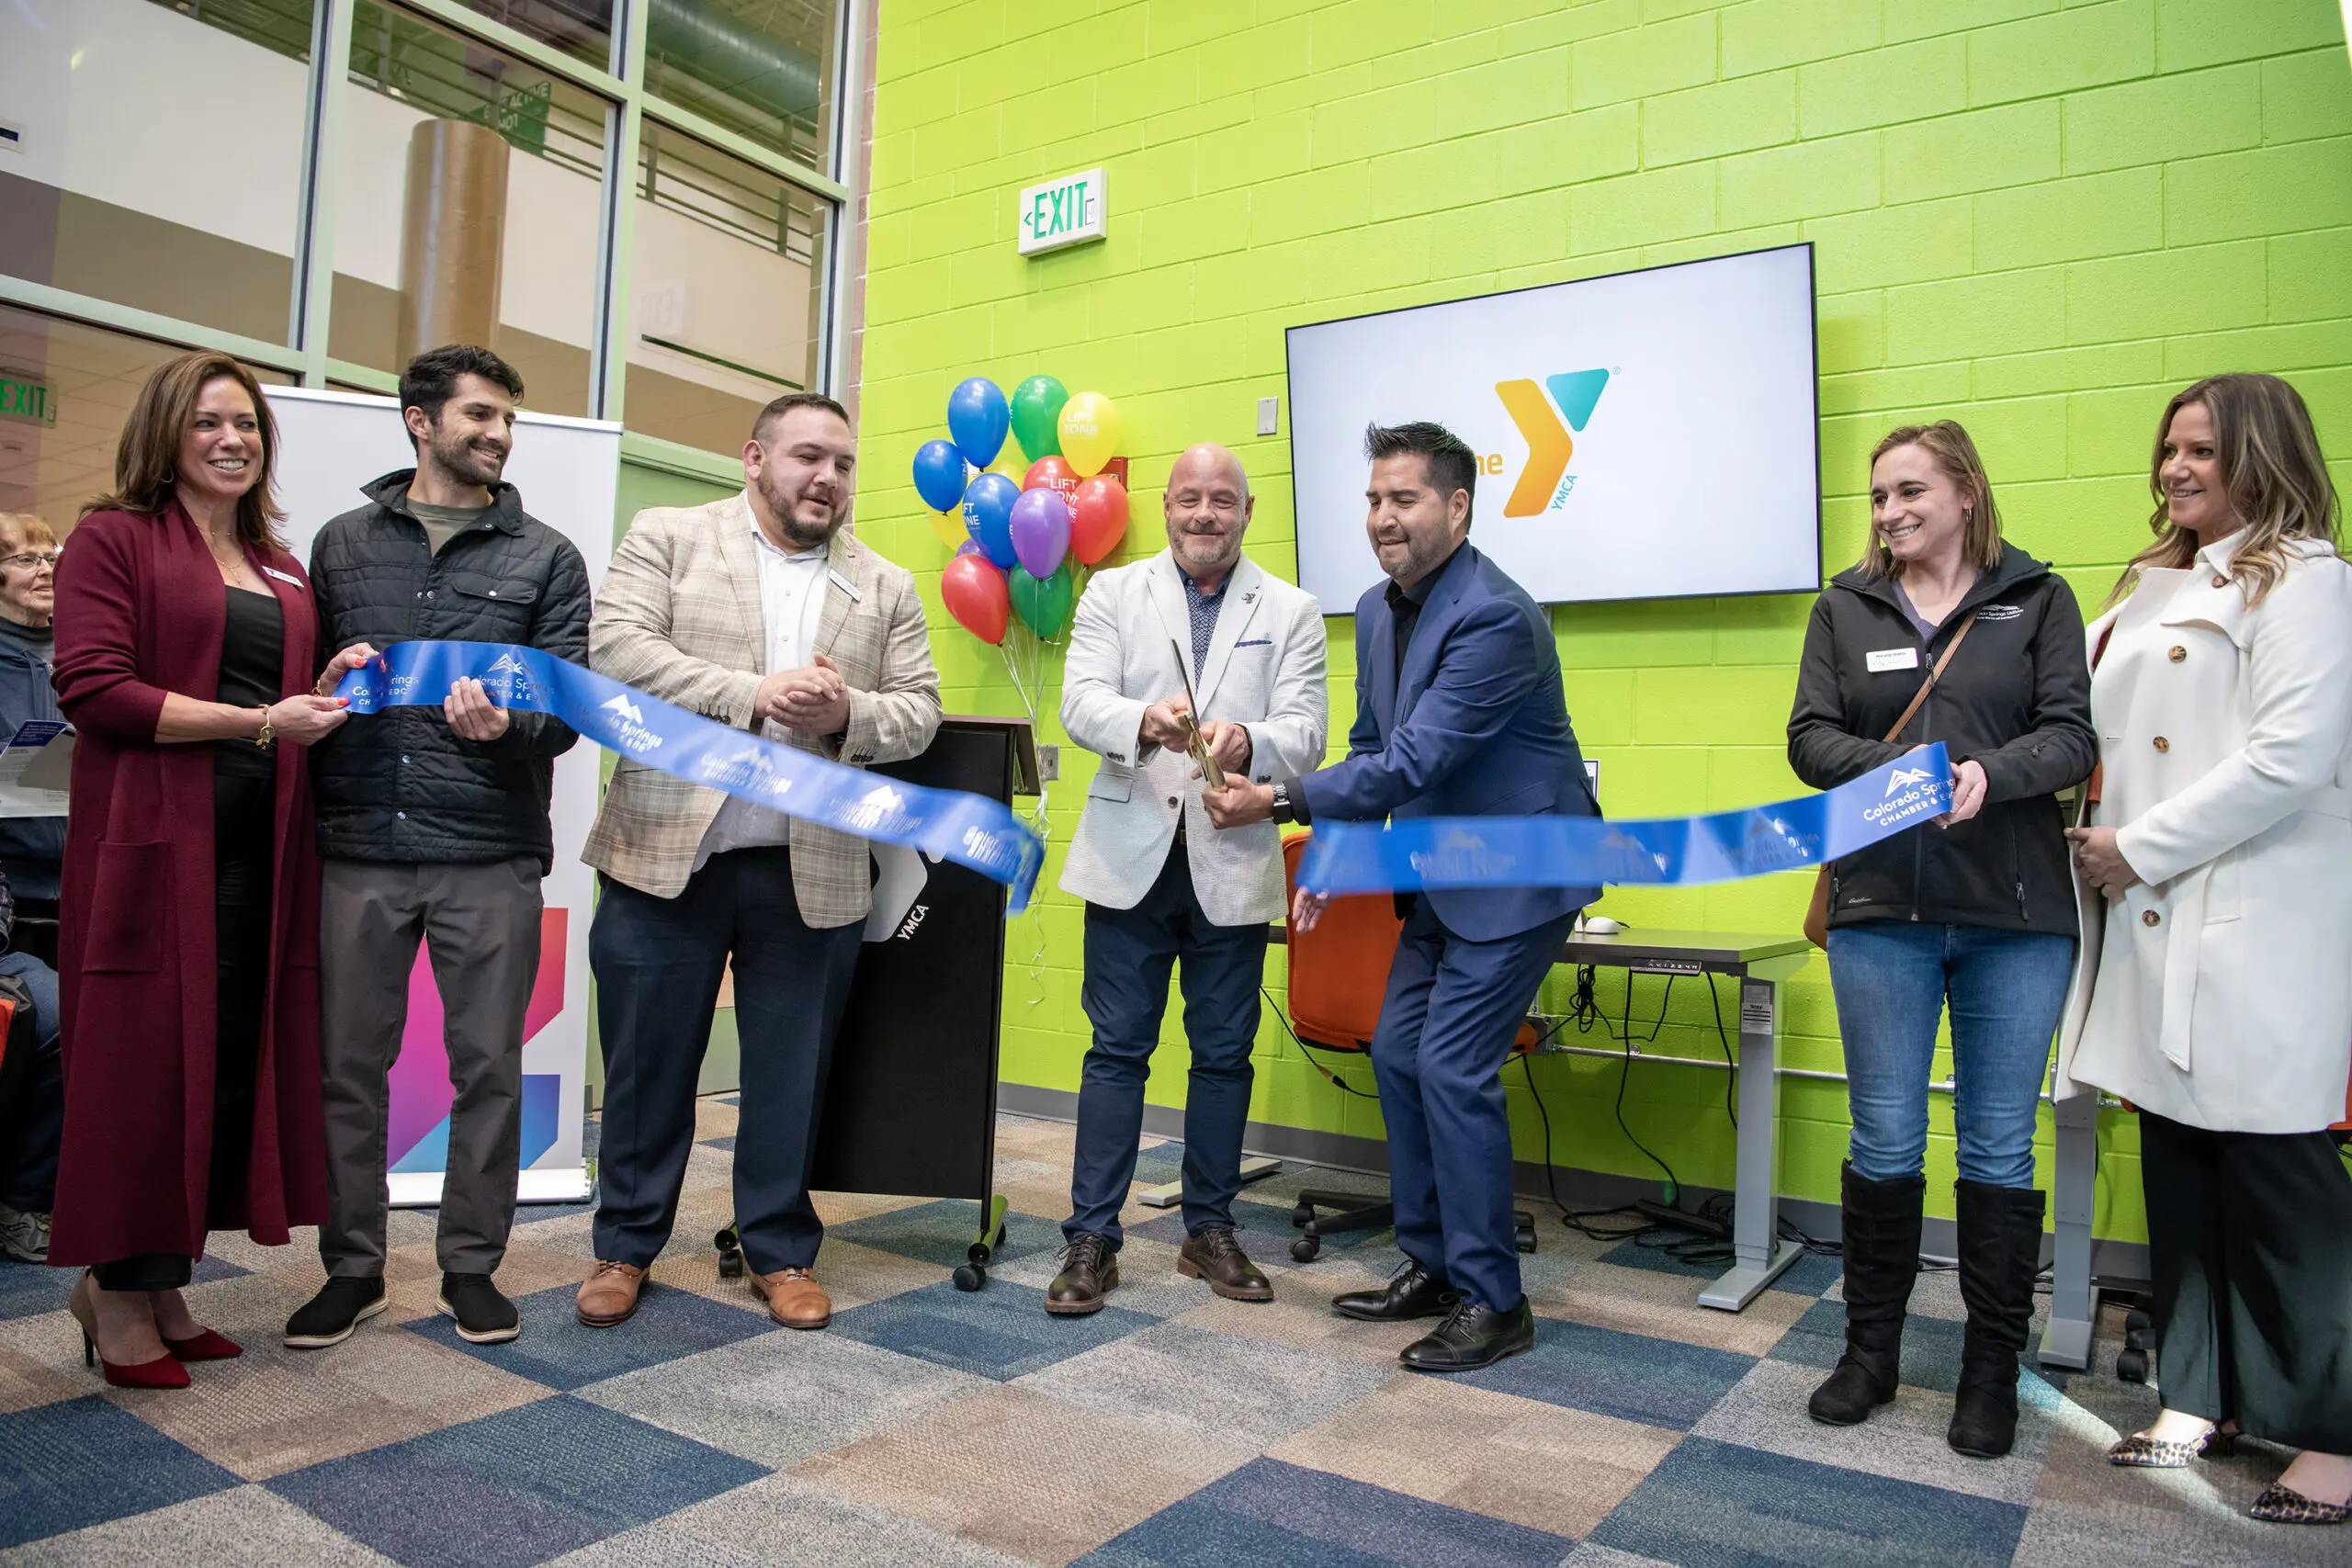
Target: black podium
911	1104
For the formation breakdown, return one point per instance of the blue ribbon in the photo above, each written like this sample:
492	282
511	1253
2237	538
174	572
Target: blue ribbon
947	824
1580	852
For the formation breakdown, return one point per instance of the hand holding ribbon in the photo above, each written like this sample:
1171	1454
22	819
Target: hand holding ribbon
969	829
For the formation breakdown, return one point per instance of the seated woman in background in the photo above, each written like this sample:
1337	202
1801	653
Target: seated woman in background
186	648
1945	632
2222	1005
30	847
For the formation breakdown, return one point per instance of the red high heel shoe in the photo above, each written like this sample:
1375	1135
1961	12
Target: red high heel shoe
163	1371
204	1345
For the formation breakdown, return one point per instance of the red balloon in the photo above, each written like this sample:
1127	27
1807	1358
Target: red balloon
978	596
1097	518
1050	472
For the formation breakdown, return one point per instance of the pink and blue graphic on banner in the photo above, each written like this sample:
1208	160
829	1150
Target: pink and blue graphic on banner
419	1139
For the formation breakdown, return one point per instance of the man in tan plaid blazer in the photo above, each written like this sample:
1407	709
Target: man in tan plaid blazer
760	612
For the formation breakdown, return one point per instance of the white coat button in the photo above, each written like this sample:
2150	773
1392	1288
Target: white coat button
2163	744
2151	918
2220	583
2178	653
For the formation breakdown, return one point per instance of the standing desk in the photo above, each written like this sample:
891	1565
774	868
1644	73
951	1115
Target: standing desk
1761	962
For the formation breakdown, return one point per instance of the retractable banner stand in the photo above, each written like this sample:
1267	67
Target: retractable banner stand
330	443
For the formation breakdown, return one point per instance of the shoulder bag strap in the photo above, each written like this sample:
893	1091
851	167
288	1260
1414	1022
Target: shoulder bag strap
1934	675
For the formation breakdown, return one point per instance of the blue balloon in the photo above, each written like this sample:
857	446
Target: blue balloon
939	474
978	417
988	517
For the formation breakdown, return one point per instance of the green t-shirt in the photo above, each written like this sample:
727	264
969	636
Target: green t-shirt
443	522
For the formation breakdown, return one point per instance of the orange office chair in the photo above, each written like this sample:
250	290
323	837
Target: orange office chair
1337	974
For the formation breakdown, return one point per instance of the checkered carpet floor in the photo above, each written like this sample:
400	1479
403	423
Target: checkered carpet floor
933	1427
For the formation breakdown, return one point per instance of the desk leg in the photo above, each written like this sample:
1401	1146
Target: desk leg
2066	1342
1759	1255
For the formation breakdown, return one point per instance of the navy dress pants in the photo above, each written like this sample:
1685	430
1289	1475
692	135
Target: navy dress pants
657	964
1446	1025
1128	955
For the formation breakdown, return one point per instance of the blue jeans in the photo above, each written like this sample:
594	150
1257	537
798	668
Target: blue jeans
2007	990
1128	955
28	1179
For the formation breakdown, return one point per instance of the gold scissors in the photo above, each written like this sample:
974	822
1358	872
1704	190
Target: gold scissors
1211	774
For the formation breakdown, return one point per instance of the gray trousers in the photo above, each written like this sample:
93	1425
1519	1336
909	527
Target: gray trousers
480	925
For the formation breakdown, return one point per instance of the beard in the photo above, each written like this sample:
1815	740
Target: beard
458	458
799	534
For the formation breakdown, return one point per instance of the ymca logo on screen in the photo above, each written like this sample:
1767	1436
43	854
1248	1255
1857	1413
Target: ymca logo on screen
1543	485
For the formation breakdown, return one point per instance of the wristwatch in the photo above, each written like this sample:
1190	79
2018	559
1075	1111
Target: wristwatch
1283	809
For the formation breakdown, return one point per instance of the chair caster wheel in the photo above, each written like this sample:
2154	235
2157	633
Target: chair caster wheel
2131	1366
1306	1249
1524	1240
2137	1322
730	1265
1303	1215
970	1277
727	1240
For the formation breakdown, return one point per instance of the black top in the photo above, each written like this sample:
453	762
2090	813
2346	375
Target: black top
253	655
402	787
1405	607
2017	700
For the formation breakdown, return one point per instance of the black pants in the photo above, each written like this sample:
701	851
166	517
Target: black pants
243	812
2250	1241
657	964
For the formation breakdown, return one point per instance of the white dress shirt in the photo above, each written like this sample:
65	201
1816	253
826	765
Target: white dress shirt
792	600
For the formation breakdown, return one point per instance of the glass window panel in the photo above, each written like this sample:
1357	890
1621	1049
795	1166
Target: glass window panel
134	183
761	68
65	389
447	222
729	296
582	28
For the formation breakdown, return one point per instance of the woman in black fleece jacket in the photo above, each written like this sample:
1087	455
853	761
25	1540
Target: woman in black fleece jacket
1977	910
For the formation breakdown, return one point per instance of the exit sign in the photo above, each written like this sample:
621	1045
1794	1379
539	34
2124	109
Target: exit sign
1065	212
24	398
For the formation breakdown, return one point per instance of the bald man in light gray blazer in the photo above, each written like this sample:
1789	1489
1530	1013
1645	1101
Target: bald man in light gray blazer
1162	884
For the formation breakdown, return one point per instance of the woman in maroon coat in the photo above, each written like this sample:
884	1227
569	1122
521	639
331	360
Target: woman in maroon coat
186	643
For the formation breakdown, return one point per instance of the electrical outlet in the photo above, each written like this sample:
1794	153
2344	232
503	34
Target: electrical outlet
1270	415
1049	764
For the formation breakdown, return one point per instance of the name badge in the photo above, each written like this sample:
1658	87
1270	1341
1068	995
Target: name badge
845	585
1882	659
283	576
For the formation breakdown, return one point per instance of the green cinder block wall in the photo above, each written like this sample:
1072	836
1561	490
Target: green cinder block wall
2039	218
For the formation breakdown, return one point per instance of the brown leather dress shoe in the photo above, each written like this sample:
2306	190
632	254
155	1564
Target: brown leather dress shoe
1090	1269
795	1299
1216	1256
609	1296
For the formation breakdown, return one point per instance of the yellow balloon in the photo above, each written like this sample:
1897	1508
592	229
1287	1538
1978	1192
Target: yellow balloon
949	527
1090	432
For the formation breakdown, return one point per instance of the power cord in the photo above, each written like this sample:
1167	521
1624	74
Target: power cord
1313	1045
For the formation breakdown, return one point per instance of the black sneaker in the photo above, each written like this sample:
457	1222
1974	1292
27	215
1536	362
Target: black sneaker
329	1317
484	1316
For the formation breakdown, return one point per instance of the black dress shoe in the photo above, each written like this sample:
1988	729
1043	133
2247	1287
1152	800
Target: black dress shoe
484	1314
341	1305
1090	1269
1412	1292
1214	1256
1472	1336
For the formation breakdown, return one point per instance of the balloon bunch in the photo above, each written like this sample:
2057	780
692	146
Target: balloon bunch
1022	548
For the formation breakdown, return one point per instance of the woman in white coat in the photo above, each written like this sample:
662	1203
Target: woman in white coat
2222	1002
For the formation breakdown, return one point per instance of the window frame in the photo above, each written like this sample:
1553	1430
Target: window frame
629	103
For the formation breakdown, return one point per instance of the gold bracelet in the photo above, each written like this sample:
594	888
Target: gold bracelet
268	733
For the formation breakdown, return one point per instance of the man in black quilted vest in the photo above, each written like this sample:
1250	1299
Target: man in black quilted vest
433	825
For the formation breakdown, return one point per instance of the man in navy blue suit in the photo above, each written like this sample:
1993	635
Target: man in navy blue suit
1459	712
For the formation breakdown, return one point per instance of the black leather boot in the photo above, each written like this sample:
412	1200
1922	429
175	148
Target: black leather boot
2000	1252
1881	1230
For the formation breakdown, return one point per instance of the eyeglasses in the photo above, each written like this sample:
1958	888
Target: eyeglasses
30	558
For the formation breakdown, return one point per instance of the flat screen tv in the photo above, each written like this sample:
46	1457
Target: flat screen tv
1648	434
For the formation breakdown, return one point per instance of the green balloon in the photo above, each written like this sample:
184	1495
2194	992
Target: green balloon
1044	604
1037	416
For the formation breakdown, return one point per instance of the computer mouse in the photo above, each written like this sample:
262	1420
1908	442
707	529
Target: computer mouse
1601	925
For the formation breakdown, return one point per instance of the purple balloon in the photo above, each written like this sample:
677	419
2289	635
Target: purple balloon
970	547
1040	531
